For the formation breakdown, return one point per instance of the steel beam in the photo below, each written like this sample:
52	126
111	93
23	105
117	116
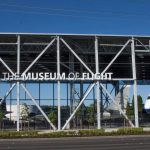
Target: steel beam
104	69
72	87
116	56
37	58
135	84
122	112
97	84
123	79
147	48
34	101
72	51
80	96
84	97
58	83
142	51
18	83
6	66
7	93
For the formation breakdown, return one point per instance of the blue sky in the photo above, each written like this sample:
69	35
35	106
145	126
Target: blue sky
77	16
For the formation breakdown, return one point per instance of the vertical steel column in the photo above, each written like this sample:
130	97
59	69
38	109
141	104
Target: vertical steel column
81	96
94	100
101	102
10	100
53	95
107	97
25	84
39	93
97	84
67	98
58	83
18	84
82	106
134	85
72	87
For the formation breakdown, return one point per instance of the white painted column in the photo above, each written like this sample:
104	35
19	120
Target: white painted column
18	84
134	84
58	83
97	85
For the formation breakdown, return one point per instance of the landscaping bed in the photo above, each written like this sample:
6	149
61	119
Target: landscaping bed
76	133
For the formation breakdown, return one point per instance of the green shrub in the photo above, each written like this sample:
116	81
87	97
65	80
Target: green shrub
130	131
72	133
13	134
54	134
95	132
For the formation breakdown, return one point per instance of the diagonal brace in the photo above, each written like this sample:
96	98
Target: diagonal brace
116	105
72	51
112	61
8	68
36	59
84	97
8	92
34	101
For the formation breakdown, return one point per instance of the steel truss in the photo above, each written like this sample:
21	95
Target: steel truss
60	40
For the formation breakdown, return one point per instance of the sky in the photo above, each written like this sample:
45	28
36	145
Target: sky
77	16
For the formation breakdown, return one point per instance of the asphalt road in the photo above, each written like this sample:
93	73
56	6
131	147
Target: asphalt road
83	143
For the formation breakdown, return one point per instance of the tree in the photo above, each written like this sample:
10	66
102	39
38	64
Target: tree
78	116
90	114
2	112
24	111
140	104
24	114
129	110
53	117
78	119
2	115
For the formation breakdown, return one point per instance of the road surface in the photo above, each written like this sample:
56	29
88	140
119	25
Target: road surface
141	142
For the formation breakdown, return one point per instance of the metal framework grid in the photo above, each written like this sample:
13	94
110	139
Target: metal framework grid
128	57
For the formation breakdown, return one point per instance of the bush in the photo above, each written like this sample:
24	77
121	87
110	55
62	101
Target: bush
60	134
130	131
55	134
6	134
95	132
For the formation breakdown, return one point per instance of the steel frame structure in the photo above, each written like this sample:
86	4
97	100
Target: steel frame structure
98	48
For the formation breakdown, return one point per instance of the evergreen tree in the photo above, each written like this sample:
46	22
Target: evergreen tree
53	117
129	110
140	103
1	118
90	114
